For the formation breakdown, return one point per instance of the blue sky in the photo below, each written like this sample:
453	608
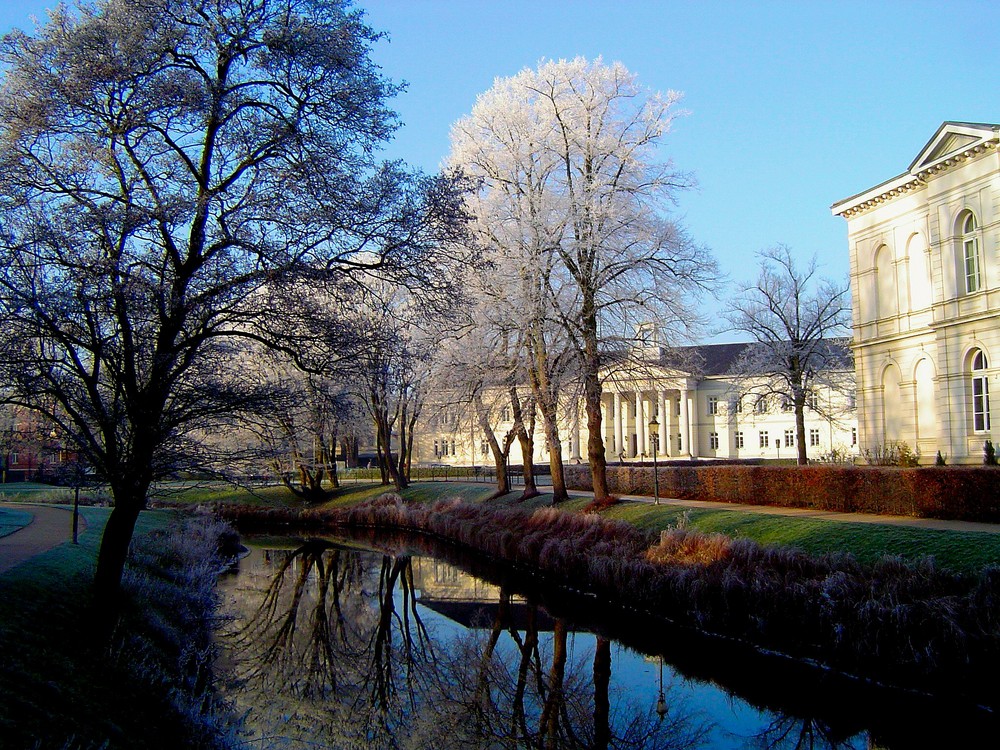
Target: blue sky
792	105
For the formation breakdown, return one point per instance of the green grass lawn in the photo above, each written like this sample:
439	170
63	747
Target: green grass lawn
957	551
12	519
964	552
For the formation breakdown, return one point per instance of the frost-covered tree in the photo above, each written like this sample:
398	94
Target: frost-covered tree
792	315
574	188
161	163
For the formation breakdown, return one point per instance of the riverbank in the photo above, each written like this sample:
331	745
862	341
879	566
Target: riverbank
913	625
61	689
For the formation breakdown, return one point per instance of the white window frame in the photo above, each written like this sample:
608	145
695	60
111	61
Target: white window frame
971	265
980	392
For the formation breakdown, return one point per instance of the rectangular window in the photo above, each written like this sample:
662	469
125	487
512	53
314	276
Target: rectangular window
713	441
760	406
453	447
789	438
854	436
713	406
505	414
739	439
980	404
765	440
971	265
738	404
437	448
852	401
680	445
814	437
786	403
677	408
812	401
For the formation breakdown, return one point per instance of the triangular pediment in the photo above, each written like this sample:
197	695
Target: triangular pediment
953	138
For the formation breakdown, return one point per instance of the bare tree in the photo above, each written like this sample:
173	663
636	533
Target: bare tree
572	179
792	315
163	161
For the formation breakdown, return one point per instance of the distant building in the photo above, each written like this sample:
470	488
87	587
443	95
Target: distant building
925	279
704	408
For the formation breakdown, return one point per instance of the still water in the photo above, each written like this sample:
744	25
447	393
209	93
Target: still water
387	642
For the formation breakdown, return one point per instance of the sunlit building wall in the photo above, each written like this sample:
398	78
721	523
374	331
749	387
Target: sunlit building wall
925	282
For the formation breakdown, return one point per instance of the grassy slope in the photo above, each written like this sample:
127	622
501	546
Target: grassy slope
952	550
42	604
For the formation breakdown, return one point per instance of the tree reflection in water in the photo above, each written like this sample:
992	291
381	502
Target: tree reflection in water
332	650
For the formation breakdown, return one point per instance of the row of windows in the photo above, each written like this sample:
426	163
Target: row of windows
762	404
441	448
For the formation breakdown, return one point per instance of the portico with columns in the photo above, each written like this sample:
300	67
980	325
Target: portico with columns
698	409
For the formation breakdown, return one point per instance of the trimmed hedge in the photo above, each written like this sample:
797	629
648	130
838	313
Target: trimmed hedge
954	493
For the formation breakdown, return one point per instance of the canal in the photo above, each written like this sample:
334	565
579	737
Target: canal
394	641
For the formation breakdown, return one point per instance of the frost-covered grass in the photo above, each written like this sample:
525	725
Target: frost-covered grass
59	687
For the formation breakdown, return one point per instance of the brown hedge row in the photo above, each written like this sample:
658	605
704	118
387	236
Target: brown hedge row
958	493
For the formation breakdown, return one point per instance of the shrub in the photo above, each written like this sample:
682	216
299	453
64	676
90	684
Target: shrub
891	453
967	493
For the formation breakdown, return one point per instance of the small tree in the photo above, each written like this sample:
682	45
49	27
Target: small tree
792	316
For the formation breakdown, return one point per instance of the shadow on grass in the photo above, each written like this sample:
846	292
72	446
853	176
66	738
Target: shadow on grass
58	688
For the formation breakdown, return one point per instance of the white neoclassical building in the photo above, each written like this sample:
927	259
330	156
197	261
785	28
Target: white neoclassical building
702	409
925	278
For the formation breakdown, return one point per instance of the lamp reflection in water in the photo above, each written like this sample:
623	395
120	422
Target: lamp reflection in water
661	702
654	436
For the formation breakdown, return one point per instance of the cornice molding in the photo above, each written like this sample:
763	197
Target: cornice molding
921	171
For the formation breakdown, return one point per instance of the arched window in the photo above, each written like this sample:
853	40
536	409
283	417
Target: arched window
980	392
970	253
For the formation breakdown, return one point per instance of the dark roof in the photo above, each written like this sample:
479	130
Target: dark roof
722	359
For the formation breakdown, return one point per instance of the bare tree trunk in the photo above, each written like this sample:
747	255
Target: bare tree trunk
527	444
592	401
499	454
113	553
800	428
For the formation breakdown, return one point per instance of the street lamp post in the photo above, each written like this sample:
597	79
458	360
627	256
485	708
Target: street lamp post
654	439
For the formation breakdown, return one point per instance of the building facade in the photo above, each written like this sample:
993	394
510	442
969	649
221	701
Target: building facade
925	282
702	407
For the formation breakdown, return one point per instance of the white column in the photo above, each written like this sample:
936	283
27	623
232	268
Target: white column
664	444
685	424
640	424
693	428
617	406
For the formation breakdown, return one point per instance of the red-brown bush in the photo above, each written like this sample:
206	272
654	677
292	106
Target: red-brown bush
960	492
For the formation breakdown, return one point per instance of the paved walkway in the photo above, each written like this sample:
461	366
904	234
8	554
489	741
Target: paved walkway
822	515
49	528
